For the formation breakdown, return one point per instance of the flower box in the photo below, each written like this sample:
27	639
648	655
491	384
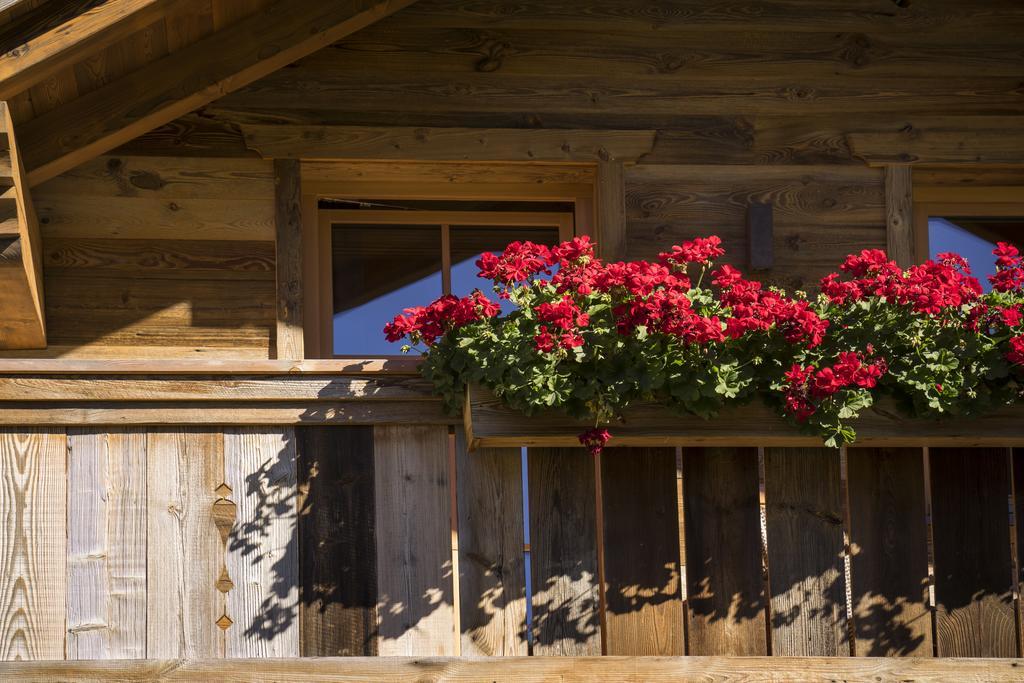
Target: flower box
489	423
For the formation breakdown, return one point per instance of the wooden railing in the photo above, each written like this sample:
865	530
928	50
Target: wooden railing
321	509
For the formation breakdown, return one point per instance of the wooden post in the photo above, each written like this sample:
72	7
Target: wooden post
288	223
899	205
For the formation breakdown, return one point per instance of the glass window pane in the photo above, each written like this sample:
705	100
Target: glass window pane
468	242
974	239
378	270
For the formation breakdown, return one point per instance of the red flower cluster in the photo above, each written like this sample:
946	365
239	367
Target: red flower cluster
929	288
1009	275
806	385
447	313
754	309
983	318
595	439
564	315
1016	353
700	250
522	260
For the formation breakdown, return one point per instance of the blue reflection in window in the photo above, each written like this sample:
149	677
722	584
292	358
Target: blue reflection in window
359	331
944	235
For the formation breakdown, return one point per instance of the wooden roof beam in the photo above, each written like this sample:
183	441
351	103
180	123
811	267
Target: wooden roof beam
22	318
58	35
181	82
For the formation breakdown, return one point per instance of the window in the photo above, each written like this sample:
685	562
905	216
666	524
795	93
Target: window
384	260
974	238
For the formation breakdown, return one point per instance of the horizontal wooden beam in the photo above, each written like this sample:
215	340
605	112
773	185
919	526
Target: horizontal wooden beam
520	669
162	413
183	81
149	388
951	140
73	35
490	423
85	367
445	144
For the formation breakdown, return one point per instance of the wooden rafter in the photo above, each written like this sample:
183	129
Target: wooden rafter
22	321
183	81
58	35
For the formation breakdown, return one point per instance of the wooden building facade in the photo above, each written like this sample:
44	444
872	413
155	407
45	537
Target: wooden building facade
192	473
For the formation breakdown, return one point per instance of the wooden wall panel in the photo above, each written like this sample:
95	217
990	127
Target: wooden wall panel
804	519
563	552
971	536
414	553
725	583
821	213
337	542
106	544
262	558
186	556
888	537
492	572
641	535
33	579
159	257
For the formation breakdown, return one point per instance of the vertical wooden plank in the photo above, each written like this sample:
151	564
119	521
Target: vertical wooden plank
186	555
414	553
32	543
970	524
804	519
563	552
641	532
899	215
288	224
611	210
492	574
106	611
263	555
337	546
1018	518
725	585
889	540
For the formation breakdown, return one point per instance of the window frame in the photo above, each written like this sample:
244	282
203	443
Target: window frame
563	182
980	209
447	219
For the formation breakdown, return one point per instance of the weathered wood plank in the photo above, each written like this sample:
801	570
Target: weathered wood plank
288	222
208	366
413	534
978	140
45	53
106	546
495	425
641	534
219	259
492	572
804	519
33	508
186	555
236	388
526	669
725	585
444	144
563	537
889	567
168	178
227	413
974	612
262	559
224	61
899	215
338	584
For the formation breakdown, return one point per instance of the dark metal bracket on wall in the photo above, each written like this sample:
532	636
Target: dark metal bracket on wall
760	236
